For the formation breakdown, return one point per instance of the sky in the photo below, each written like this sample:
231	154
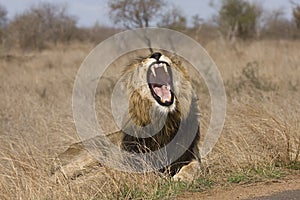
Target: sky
88	12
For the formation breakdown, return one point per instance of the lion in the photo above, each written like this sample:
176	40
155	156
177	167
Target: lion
163	117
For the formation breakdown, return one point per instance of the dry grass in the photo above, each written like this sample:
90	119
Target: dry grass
262	81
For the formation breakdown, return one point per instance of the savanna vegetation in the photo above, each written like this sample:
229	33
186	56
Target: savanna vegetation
42	48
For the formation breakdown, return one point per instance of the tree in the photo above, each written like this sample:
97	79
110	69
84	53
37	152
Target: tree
239	18
3	21
173	19
276	25
3	16
296	15
135	13
197	22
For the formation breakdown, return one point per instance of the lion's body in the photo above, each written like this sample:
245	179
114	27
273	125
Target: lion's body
151	125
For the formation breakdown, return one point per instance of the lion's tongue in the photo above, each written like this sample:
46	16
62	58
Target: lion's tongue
163	92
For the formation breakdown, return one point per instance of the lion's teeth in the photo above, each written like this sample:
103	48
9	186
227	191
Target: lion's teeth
156	65
153	71
161	64
165	68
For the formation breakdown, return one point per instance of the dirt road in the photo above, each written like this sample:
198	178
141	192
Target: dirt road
287	195
287	188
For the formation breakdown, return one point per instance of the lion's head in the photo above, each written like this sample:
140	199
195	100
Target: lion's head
159	82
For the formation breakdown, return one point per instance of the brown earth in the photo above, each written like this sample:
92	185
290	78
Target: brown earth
249	191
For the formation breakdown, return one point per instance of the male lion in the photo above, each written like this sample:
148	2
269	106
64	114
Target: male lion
162	120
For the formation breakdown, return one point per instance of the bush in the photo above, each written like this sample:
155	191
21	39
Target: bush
276	26
238	18
40	25
96	33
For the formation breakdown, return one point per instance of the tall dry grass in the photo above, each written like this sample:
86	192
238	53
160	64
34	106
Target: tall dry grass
262	81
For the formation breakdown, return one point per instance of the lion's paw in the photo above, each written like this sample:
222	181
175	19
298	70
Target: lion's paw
188	172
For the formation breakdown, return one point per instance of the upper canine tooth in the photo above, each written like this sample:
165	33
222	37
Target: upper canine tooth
165	68
153	71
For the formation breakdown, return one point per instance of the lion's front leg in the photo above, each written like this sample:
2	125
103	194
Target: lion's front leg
188	172
74	162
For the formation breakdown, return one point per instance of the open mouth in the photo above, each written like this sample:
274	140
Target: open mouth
160	83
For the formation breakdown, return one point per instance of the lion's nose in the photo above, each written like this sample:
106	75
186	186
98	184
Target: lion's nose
156	55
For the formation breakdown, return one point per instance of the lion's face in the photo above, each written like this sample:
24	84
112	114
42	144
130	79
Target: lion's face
159	80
